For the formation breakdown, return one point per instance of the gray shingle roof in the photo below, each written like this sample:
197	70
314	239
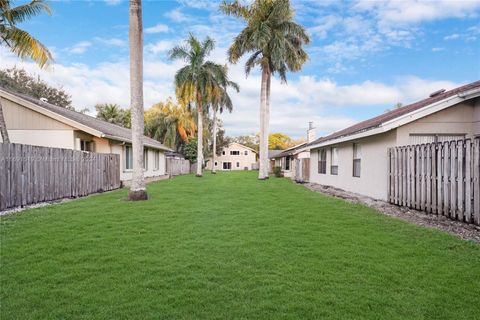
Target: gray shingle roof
379	120
109	130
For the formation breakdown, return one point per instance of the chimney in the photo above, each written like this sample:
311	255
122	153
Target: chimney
310	132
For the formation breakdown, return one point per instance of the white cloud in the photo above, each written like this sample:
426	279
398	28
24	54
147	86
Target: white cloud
158	28
79	47
437	49
113	2
159	46
111	41
323	101
177	15
451	37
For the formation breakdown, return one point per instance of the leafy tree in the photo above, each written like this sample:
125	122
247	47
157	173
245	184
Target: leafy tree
20	81
171	123
190	151
193	82
279	141
275	43
113	113
251	141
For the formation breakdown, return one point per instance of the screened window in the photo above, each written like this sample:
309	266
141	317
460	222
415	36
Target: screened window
86	145
334	161
128	158
322	161
157	160
234	153
357	159
145	159
246	153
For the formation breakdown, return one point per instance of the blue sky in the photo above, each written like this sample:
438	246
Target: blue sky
365	56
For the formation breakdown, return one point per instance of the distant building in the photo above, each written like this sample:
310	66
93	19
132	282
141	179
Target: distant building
235	156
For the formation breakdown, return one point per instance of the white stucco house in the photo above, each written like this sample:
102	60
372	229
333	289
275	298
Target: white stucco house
35	122
235	156
356	158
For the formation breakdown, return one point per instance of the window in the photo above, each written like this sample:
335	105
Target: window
128	158
287	163
322	161
238	164
86	145
216	163
246	153
432	138
145	159
223	152
234	153
334	161
157	160
357	157
227	165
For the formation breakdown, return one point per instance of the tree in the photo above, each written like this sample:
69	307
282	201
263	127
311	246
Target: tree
172	124
190	151
19	41
21	81
138	190
193	82
113	113
275	42
251	141
219	101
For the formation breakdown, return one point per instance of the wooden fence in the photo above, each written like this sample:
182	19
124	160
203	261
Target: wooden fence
31	174
177	167
439	178
301	170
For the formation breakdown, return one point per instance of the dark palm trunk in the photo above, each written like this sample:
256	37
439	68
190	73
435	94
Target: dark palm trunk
3	126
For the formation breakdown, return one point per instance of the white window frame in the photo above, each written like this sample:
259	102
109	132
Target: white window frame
145	159
322	161
357	158
334	161
128	157
156	163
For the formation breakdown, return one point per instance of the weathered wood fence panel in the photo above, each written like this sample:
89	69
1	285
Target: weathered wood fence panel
31	174
438	178
177	167
301	170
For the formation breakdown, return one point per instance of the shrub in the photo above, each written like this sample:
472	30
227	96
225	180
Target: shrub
277	171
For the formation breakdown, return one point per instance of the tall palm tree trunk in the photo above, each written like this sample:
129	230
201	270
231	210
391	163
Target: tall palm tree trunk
199	139
267	125
137	188
214	154
3	126
263	126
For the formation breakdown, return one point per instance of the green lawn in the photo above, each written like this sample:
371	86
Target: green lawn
230	247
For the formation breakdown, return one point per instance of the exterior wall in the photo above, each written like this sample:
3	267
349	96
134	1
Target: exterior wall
373	180
28	127
126	174
244	161
462	118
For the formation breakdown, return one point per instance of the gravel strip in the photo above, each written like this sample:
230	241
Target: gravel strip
462	230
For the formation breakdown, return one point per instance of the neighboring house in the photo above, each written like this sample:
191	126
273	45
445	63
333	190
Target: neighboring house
271	157
235	156
286	158
356	158
34	122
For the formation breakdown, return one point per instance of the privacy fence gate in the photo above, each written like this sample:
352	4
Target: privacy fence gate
31	174
438	178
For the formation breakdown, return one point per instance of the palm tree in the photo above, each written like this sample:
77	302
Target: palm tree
19	41
138	190
193	80
275	42
219	101
111	112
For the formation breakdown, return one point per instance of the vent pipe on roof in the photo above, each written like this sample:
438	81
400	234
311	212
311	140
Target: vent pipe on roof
436	93
44	99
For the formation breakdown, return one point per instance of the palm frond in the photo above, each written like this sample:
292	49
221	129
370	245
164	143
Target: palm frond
25	45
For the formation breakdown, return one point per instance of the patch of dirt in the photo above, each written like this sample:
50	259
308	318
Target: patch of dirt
460	229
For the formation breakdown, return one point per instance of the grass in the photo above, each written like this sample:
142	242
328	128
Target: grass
230	247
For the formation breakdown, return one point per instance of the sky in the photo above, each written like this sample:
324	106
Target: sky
365	56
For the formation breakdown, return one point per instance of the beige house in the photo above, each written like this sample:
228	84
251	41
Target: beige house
34	122
234	157
356	158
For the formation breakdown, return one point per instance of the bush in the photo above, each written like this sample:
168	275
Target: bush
277	171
